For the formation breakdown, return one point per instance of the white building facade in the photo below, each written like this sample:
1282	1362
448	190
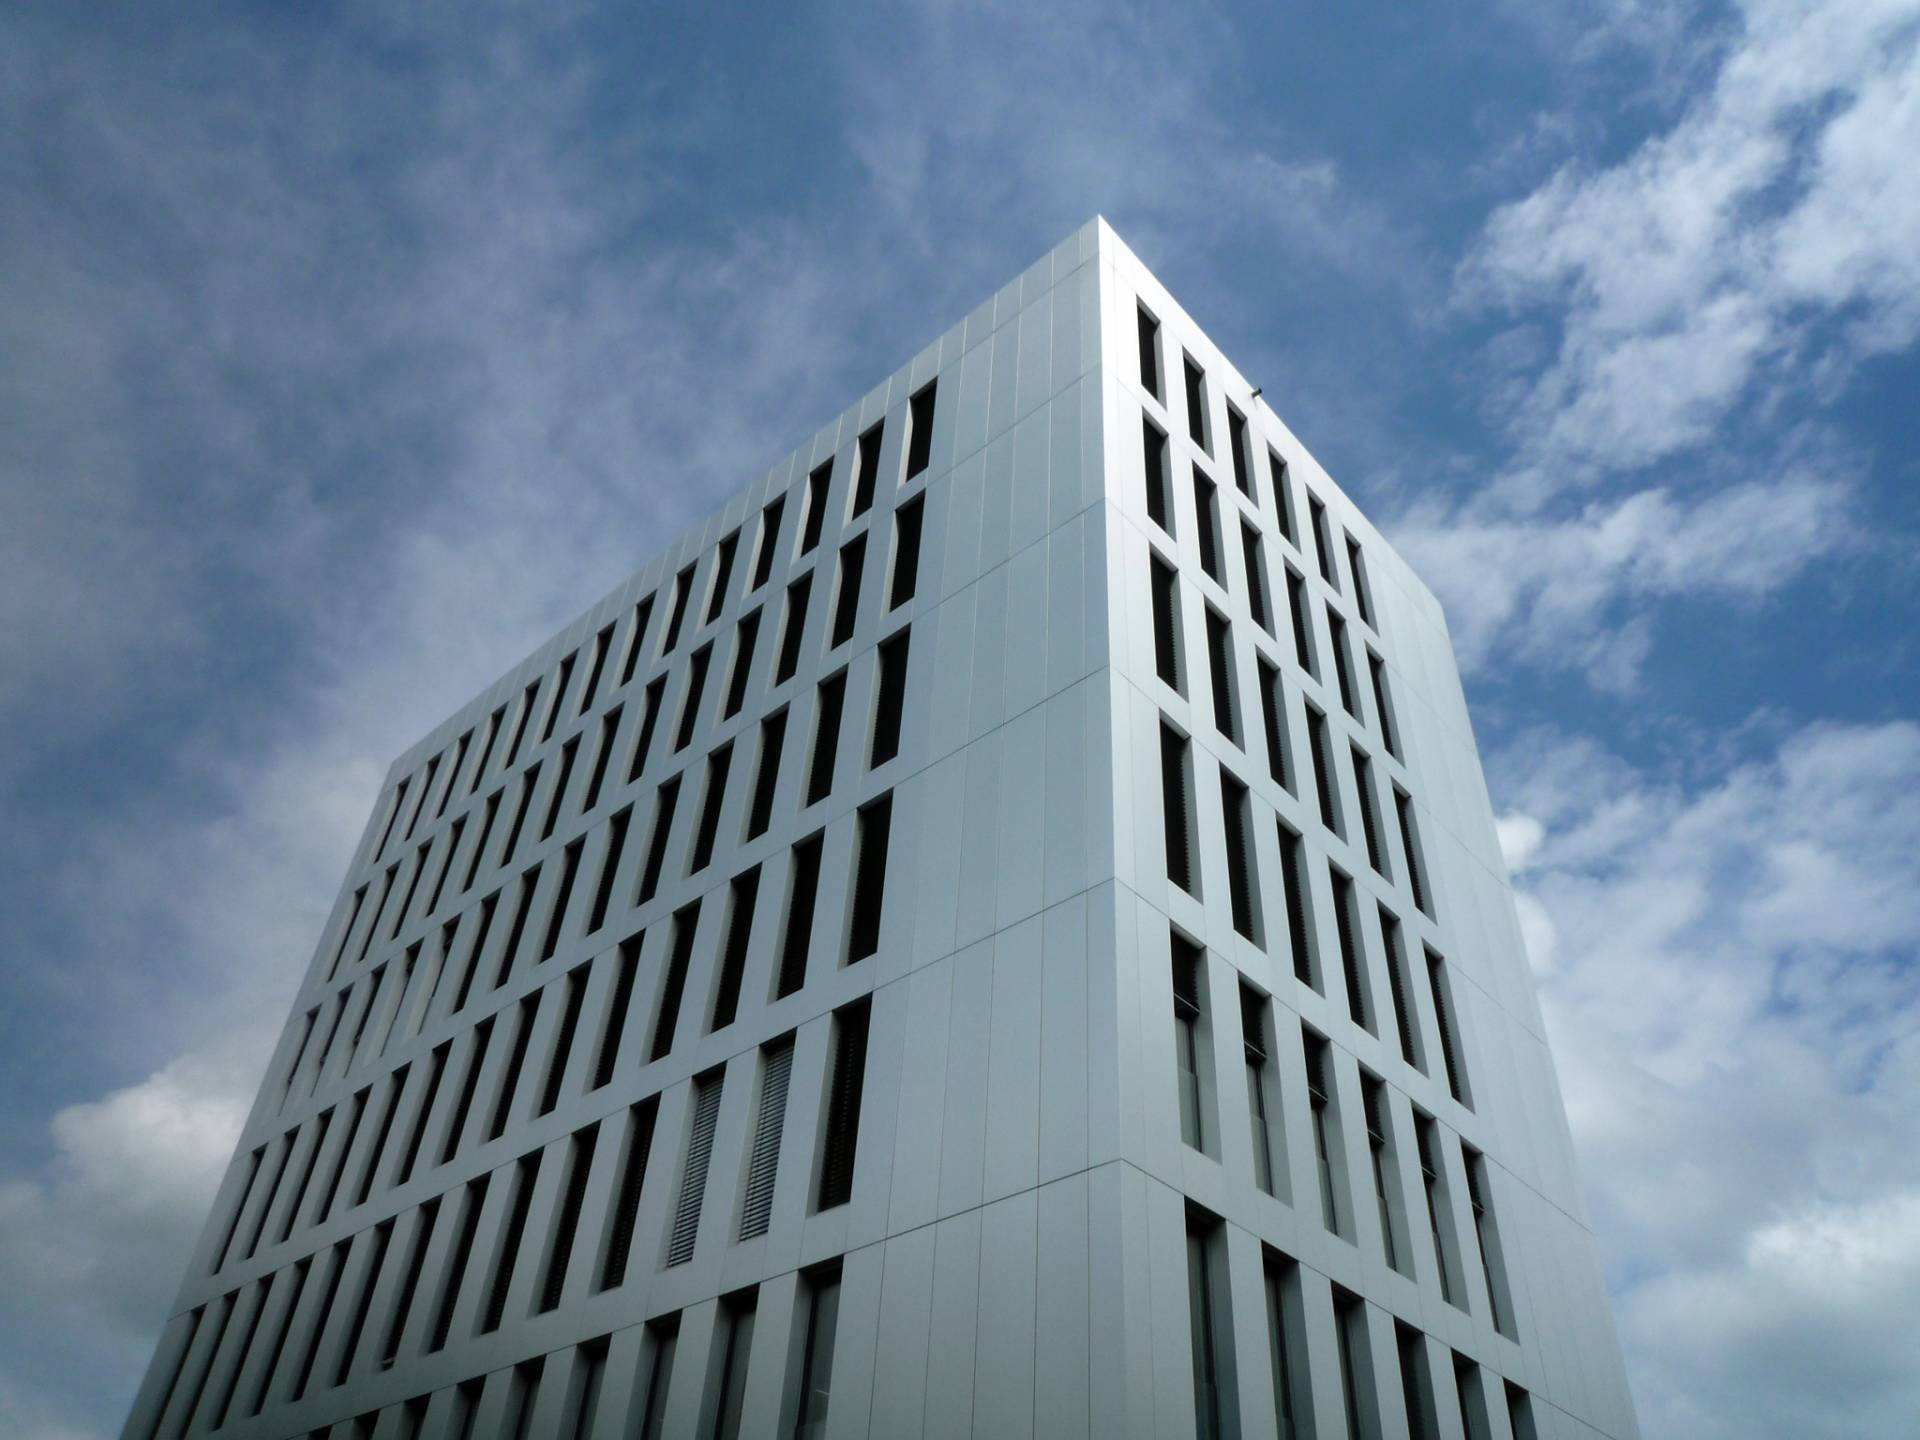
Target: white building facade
998	933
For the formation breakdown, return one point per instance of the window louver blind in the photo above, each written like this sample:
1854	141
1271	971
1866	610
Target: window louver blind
693	1183
764	1163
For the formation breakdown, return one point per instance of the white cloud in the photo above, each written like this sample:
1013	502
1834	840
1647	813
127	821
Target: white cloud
1708	260
1732	985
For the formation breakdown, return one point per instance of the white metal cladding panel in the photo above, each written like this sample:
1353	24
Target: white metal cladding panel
1011	1259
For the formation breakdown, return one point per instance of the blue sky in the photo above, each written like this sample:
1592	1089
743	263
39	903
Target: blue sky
346	352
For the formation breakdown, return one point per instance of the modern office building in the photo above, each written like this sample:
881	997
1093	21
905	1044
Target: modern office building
999	932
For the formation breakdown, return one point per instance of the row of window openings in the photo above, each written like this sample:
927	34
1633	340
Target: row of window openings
901	586
1363	1400
1206	507
865	910
888	707
833	1186
1227	721
217	1378
1165	593
1244	896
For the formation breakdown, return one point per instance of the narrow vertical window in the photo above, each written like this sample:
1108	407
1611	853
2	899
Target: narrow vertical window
649	720
1243	881
277	1346
1153	444
1406	1020
1210	1317
528	698
1520	1413
1343	665
1166	622
1327	1157
559	697
663	1337
846	604
1441	988
816	1354
576	994
426	790
524	1015
529	883
1389	732
1176	813
1356	1365
583	1397
1197	428
1353	960
847	1079
346	934
1206	519
617	828
1433	1185
525	1173
873	825
890	694
413	888
494	722
769	539
1322	540
409	1282
1410	843
664	803
1293	877
463	1102
321	1124
602	642
817	481
1149	354
704	1117
569	872
1286	1352
1268	1151
735	1339
1254	560
636	638
682	588
722	577
1369	826
1493	1265
329	1292
566	1222
454	832
906	553
1226	702
742	895
803	887
472	1200
396	1089
1380	1153
1190	1041
1237	443
719	763
1362	591
614	1024
1303	653
436	1071
480	846
746	636
794	628
866	471
1278	475
920	429
831	699
674	985
763	1160
523	1394
696	687
528	783
773	736
1273	702
1416	1383
626	1192
453	773
357	1325
1322	757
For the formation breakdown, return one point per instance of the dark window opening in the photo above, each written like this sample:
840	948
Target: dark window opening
1150	355
1220	676
614	1027
817	481
682	588
869	878
847	1080
664	805
773	736
719	763
846	609
795	628
679	958
802	891
866	471
889	699
744	892
722	577
696	687
769	538
649	720
1154	446
906	553
1206	515
1196	404
1175	783
745	636
920	430
826	737
626	1192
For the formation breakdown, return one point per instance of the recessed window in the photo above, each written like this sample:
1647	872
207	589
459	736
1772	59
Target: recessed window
769	1126
719	765
673	985
1215	1407
1322	540
636	639
626	1193
1380	1152
1197	429
1243	884
803	889
831	700
817	481
1154	449
566	1224
920	429
1263	1110
1369	826
1237	443
1389	732
846	1082
1166	622
1323	782
1406	1020
764	548
683	1233
741	898
1254	561
1293	876
682	588
745	636
665	801
890	697
1328	1157
1190	1042
1493	1265
846	610
1440	986
656	693
1343	665
722	577
1206	517
1149	354
1176	785
906	553
1353	961
1410	845
1362	591
822	1290
866	471
872	827
1302	636
793	628
773	737
696	688
1226	702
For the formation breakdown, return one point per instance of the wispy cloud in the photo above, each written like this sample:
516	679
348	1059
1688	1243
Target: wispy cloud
1729	973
